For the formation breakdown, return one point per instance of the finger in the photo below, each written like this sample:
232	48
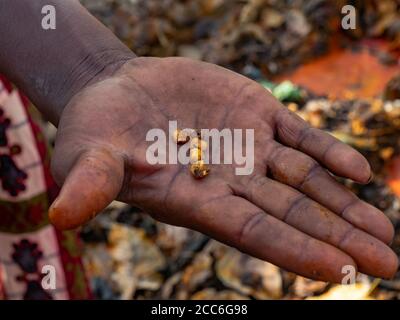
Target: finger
93	183
237	222
338	157
298	170
294	208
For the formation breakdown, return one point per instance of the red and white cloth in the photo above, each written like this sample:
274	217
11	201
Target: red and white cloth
29	246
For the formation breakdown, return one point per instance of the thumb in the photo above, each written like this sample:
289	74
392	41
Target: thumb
93	183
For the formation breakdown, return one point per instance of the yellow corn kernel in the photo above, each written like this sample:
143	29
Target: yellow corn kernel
180	136
199	169
198	143
195	155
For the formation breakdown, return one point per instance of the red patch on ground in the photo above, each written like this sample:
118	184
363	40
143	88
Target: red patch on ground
393	173
346	73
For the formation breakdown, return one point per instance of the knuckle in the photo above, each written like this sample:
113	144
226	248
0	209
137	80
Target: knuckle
292	167
299	205
290	127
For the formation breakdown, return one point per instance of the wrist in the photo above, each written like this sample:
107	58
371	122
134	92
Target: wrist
92	66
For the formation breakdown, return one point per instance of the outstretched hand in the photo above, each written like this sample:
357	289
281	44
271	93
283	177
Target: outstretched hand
290	211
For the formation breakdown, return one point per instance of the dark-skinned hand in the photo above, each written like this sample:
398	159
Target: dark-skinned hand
291	211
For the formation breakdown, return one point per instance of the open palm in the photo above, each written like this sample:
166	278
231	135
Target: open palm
290	211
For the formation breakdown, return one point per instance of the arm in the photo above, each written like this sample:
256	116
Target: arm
51	66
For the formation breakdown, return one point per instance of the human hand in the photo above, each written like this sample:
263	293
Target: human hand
290	211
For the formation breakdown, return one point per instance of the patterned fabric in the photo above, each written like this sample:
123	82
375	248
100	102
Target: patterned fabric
29	246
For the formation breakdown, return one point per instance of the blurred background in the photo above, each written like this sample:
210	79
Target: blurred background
344	81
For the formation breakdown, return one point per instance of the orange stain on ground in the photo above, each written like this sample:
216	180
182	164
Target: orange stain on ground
393	173
346	73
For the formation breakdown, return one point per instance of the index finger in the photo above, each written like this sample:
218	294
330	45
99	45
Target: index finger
337	156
